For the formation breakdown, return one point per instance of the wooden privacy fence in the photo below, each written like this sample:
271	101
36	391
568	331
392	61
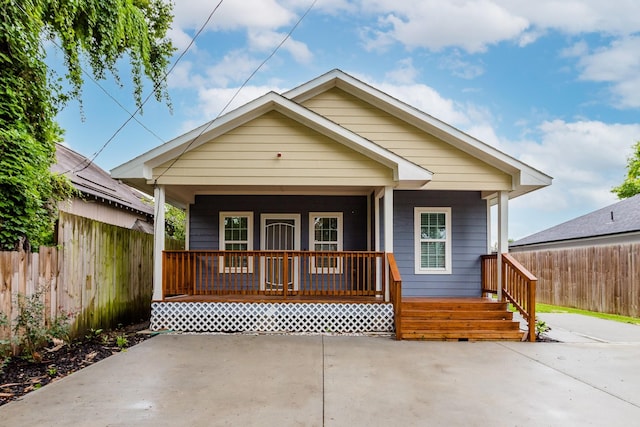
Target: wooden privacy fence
100	273
602	278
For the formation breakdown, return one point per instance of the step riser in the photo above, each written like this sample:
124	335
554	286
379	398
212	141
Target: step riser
480	336
465	306
457	315
458	320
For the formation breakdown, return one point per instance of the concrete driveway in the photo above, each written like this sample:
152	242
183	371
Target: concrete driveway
289	380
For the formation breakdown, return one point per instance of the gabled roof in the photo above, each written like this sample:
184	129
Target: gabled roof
94	182
407	173
526	178
614	220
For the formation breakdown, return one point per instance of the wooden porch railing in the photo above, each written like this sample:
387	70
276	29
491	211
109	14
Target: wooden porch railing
518	286
278	273
395	293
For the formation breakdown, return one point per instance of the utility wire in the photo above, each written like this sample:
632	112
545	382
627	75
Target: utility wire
90	77
155	88
237	92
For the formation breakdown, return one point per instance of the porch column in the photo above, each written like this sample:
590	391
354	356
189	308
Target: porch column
158	241
503	234
388	219
388	228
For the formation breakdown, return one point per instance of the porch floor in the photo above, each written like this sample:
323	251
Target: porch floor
276	298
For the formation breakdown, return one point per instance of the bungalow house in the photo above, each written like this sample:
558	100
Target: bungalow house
100	197
333	206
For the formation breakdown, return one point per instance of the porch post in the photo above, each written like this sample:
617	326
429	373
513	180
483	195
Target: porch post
158	241
388	219
388	228
376	219
489	220
503	235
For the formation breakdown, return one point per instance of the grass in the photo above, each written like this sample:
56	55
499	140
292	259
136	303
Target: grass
547	308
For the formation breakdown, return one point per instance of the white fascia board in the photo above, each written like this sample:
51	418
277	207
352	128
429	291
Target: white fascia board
424	121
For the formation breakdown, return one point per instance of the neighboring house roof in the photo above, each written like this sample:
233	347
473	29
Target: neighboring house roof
148	169
614	223
93	182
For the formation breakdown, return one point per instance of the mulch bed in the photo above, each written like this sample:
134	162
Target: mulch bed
19	376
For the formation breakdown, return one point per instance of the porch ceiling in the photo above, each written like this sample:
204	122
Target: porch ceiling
183	195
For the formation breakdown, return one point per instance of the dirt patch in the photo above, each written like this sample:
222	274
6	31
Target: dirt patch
20	376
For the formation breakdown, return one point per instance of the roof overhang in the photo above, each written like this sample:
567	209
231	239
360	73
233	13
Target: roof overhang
139	171
525	178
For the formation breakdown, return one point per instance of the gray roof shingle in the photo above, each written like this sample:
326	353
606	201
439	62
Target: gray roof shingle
95	182
621	217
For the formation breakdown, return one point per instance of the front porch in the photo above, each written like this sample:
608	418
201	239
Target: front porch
341	292
273	291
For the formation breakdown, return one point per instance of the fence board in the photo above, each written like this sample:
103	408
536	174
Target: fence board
100	273
604	278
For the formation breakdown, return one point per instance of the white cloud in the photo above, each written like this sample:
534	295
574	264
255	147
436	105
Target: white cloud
586	159
266	41
460	67
180	39
404	73
211	101
471	25
579	16
575	50
232	15
529	37
428	100
619	65
235	67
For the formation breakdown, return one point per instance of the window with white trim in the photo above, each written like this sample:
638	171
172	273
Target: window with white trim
325	234
236	234
432	231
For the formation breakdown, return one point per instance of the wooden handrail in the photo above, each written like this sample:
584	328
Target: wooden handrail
489	274
518	286
395	293
280	273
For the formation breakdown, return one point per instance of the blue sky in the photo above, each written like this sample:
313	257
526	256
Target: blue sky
554	84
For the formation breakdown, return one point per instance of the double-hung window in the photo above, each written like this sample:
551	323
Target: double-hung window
325	235
432	231
236	234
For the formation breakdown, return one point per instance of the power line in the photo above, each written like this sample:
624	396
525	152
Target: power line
155	88
132	116
209	123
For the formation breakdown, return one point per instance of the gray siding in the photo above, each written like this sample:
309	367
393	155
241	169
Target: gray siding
204	217
469	241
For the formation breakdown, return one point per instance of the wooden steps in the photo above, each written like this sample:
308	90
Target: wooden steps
457	319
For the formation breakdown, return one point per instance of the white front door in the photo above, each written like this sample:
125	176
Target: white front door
279	232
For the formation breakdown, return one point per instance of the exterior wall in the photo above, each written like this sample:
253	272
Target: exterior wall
248	155
469	241
102	212
204	217
453	169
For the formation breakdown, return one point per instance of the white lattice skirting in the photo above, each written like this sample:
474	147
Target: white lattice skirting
271	317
